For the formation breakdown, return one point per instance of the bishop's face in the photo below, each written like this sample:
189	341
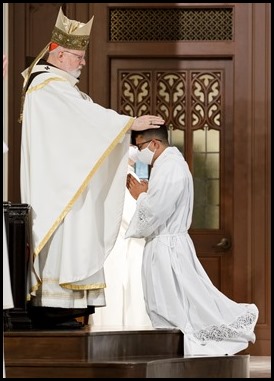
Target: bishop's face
73	61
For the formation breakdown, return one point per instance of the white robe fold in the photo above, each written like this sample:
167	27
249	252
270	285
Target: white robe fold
178	292
125	306
73	172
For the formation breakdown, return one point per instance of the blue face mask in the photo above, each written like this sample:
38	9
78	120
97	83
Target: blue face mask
145	155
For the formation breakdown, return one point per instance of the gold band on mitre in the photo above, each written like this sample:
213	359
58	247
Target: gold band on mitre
71	34
69	41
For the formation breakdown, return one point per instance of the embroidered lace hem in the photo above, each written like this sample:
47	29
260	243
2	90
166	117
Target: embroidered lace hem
243	323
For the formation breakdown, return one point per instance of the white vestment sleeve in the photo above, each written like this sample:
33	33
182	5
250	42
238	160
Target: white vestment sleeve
155	207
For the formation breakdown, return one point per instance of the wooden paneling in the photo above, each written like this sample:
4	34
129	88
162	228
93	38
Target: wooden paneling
30	26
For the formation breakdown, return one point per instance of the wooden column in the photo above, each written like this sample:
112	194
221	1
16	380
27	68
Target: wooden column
18	241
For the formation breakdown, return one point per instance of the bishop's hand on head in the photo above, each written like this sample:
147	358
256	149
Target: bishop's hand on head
145	122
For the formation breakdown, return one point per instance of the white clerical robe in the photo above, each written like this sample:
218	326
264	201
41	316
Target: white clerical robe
73	172
178	293
125	305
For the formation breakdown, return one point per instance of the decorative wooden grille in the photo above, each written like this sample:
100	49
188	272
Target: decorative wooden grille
173	95
170	24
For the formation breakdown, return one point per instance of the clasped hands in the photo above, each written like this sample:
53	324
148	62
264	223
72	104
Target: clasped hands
136	187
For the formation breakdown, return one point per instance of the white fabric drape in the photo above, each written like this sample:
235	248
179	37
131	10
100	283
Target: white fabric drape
125	305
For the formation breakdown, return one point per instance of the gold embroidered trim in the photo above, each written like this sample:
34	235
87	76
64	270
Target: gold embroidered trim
34	88
68	286
69	41
36	287
82	188
45	83
71	286
91	286
26	79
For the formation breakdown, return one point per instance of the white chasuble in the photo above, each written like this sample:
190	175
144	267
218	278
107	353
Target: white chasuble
73	173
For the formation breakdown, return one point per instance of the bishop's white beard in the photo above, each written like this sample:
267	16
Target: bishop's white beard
75	73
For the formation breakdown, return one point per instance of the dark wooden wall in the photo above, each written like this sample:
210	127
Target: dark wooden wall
30	26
